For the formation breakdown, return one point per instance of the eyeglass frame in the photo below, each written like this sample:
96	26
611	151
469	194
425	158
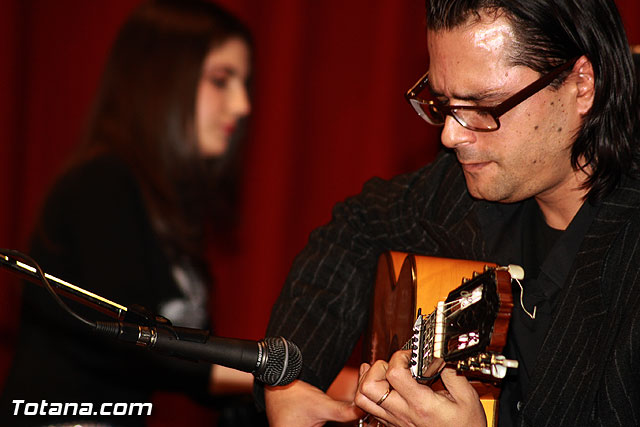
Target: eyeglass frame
495	111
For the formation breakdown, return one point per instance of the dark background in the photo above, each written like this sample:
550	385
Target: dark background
328	114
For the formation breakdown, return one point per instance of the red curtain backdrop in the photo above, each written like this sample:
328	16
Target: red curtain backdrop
328	114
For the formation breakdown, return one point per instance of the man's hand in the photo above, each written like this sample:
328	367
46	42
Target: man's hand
412	404
301	404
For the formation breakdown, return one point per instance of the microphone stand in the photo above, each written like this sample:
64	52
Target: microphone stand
75	293
137	325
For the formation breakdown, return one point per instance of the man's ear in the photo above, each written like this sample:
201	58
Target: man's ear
585	84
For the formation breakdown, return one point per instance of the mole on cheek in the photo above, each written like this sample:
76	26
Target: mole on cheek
559	129
536	127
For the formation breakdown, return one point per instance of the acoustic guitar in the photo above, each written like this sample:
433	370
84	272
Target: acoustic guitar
467	329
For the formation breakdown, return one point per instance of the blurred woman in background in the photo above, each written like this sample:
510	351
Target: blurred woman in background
130	217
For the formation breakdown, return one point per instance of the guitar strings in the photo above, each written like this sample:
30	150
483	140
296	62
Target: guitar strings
429	326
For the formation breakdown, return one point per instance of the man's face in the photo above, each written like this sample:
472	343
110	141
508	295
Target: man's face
530	154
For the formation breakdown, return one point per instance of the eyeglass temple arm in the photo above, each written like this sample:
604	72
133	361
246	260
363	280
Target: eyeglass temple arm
533	88
416	88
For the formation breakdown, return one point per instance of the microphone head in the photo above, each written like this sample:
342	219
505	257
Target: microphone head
281	362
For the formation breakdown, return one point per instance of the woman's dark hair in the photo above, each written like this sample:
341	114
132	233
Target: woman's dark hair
548	33
144	114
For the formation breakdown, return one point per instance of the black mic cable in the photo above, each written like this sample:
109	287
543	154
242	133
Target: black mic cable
273	361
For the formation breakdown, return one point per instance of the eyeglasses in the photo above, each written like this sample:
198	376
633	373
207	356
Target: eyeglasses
475	118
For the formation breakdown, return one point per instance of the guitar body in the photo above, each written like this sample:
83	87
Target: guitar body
405	283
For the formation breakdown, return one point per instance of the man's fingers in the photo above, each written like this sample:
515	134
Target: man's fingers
363	369
399	376
343	412
458	386
373	383
301	404
373	390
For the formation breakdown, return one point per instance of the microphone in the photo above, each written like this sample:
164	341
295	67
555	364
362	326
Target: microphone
272	361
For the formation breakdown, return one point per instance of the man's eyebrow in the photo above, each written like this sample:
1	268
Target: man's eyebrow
488	94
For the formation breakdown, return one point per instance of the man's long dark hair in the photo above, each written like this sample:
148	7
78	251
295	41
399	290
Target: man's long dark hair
144	115
550	32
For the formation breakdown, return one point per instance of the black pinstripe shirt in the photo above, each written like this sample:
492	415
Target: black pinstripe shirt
585	372
546	255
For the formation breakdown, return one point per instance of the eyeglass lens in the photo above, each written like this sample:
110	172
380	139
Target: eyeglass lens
436	114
